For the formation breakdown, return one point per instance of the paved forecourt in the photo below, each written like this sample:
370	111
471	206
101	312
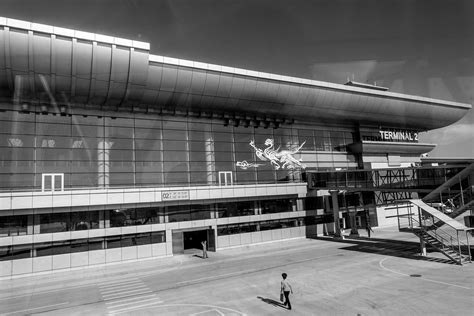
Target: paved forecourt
381	275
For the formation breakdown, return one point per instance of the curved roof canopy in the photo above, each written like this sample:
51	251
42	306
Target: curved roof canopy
41	63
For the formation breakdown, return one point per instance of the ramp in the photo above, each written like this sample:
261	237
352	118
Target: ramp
440	215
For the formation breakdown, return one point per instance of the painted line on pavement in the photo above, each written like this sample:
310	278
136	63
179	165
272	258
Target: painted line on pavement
131	299
122	289
118	282
203	305
156	299
32	309
118	285
125	294
138	275
420	278
126	310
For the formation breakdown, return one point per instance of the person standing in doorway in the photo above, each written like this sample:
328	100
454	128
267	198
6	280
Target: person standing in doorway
286	289
204	249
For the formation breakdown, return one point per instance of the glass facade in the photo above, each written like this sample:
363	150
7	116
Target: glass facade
407	178
40	151
79	245
242	228
56	222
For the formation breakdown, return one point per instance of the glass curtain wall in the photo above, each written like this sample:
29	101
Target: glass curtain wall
44	151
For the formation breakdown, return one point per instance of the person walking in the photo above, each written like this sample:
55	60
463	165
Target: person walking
286	289
204	249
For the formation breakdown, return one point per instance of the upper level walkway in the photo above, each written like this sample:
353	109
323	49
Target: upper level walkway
416	179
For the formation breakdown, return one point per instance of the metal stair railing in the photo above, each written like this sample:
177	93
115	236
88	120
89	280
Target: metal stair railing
447	242
450	244
462	209
449	183
445	245
464	199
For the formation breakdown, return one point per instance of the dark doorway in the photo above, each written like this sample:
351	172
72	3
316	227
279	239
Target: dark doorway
193	239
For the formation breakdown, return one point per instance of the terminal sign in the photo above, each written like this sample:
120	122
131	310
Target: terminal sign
174	195
398	136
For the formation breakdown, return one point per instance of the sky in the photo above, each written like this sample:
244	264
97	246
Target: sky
423	47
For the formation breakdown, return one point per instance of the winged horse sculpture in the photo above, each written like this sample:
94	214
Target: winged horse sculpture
278	158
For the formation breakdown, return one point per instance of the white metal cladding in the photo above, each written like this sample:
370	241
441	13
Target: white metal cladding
79	68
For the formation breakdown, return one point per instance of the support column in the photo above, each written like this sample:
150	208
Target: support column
212	213
422	247
257	209
30	228
335	212
103	157
210	159
422	242
327	210
352	216
299	205
104	219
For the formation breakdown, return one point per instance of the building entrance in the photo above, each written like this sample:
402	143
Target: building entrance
189	240
193	239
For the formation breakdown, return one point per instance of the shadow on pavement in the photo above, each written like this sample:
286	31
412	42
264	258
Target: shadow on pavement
388	247
271	302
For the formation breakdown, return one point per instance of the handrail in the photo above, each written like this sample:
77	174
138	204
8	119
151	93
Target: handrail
446	239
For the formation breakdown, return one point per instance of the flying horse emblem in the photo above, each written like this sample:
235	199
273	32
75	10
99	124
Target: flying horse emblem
278	158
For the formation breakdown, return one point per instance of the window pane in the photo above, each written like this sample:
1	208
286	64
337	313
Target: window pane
21	251
5	253
79	245
96	243
55	222
158	237
61	247
43	249
143	239
128	241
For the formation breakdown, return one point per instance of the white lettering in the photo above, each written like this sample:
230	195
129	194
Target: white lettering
398	135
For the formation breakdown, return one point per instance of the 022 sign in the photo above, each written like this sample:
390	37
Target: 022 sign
174	195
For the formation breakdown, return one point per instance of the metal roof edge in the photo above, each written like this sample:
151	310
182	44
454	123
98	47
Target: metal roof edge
303	81
44	28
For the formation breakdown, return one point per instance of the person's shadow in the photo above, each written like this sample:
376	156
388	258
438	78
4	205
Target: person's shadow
271	302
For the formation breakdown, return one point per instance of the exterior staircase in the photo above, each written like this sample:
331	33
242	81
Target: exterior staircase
443	246
452	239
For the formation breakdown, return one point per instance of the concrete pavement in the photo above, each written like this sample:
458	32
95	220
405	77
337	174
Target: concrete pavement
383	275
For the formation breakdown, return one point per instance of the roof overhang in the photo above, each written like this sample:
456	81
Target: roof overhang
373	147
52	66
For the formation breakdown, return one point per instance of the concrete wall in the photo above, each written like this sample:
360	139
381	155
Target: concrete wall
107	197
387	215
80	259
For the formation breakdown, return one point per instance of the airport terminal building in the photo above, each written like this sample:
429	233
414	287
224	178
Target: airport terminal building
109	153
